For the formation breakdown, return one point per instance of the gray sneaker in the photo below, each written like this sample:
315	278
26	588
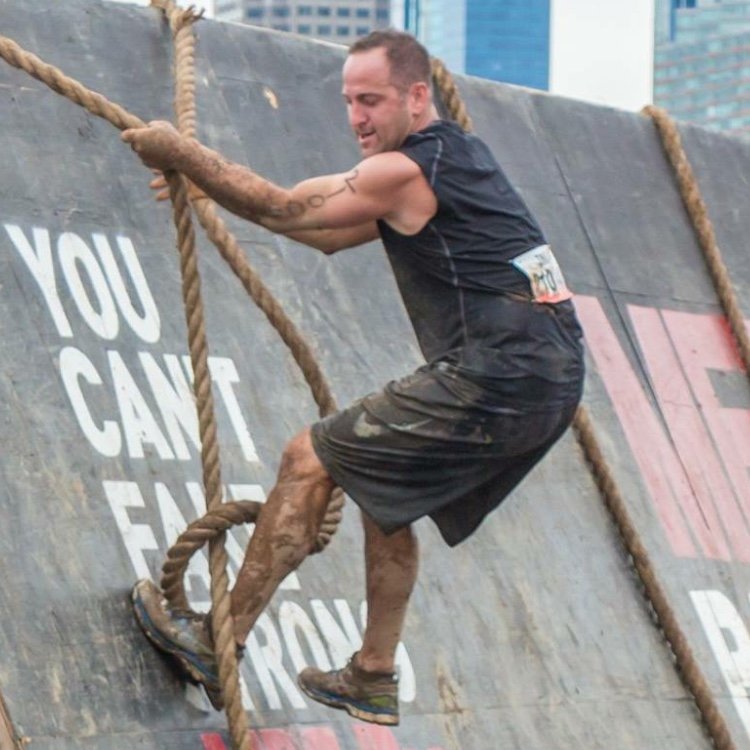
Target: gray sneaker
185	636
370	696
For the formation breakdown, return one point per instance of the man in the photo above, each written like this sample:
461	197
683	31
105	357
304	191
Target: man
493	319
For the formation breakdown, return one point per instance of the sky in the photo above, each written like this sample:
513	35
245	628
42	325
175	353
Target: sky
602	51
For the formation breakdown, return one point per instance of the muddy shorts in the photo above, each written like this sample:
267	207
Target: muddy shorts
431	445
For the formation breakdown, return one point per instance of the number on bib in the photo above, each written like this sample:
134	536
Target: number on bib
540	266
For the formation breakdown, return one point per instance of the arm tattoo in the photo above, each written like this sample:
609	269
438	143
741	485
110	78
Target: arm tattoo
348	180
295	209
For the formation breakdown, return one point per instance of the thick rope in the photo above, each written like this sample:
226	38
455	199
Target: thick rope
450	95
687	665
221	616
222	622
100	106
53	77
704	230
181	23
120	118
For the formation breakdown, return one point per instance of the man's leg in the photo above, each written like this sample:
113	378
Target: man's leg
391	565
366	687
284	534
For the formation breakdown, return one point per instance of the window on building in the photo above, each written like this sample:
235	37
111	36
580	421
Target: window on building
363	12
304	10
323	10
343	12
342	31
304	28
281	27
324	30
363	30
255	12
382	14
281	11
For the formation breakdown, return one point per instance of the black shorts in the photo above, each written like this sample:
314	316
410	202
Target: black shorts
432	445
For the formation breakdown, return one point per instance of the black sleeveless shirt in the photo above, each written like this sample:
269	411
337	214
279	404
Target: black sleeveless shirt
470	306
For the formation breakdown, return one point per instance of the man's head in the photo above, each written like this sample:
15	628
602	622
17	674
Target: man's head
387	89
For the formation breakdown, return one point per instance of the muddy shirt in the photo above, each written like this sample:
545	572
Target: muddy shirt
471	304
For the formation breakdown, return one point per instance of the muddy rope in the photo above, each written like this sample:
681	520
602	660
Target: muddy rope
219	517
218	512
198	346
181	23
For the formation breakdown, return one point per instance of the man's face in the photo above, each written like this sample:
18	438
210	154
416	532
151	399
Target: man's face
378	112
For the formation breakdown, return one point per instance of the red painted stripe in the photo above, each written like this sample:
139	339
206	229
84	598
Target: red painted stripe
319	738
374	737
687	431
275	739
703	343
212	742
655	456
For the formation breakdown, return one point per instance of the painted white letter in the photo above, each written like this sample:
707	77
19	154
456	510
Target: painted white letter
293	618
174	398
730	642
223	374
267	664
138	423
71	250
136	536
147	326
39	262
74	365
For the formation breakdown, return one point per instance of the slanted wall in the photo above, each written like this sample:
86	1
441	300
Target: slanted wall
533	634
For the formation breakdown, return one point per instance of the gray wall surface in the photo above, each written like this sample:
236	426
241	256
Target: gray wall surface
534	633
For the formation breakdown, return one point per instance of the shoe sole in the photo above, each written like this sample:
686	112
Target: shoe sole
188	669
352	709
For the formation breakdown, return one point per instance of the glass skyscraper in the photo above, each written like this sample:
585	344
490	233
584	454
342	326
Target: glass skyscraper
504	40
702	62
340	21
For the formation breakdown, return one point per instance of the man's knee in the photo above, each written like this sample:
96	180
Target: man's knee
300	463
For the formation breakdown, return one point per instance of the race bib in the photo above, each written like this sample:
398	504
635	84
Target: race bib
540	267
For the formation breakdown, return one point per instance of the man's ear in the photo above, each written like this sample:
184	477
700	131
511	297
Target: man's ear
420	96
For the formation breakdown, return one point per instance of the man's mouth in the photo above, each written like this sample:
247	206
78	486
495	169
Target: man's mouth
366	135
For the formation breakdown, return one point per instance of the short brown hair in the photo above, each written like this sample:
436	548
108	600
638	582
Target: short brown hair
408	59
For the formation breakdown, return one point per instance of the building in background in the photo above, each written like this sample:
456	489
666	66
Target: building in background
206	6
340	21
504	40
702	62
586	49
600	51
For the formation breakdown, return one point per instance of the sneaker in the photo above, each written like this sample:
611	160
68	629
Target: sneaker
370	696
183	635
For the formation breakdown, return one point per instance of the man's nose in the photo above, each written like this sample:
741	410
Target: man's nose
357	115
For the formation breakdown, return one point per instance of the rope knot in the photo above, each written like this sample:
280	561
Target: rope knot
178	17
185	17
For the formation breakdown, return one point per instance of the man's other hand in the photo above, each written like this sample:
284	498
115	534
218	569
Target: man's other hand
159	184
157	145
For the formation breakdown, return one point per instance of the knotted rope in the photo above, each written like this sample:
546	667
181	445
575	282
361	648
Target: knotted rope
687	665
214	524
